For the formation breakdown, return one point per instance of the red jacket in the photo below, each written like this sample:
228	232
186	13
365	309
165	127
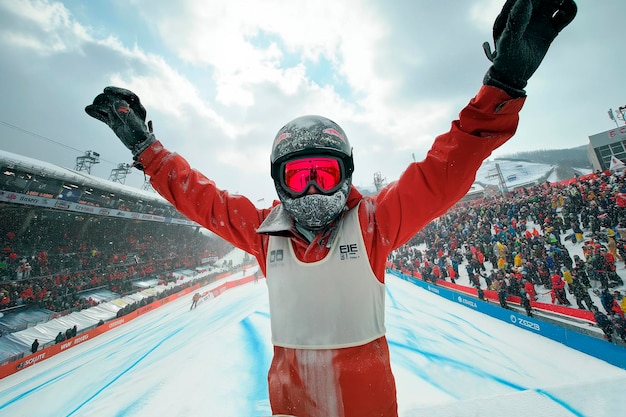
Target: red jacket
364	383
557	282
530	290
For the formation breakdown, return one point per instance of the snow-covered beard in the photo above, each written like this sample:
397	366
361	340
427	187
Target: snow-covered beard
315	211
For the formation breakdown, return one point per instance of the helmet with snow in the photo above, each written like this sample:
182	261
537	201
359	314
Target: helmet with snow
312	151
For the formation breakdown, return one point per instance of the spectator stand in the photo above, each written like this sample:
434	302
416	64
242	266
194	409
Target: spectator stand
16	346
572	233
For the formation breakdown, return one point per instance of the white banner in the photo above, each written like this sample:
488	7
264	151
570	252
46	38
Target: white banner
53	203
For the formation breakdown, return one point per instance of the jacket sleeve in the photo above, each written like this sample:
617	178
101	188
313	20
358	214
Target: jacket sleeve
427	189
232	217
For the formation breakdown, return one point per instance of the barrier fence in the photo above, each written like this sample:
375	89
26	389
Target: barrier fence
599	348
54	349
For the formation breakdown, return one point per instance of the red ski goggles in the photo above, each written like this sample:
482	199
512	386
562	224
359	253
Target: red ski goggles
324	173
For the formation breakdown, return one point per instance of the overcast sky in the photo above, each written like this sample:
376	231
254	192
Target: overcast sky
219	78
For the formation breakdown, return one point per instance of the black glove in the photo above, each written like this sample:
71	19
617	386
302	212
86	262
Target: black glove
122	111
522	33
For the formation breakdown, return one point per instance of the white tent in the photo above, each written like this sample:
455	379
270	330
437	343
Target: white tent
616	165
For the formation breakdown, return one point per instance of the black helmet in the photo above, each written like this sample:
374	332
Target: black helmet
312	136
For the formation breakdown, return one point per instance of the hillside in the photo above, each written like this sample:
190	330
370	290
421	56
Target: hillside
567	161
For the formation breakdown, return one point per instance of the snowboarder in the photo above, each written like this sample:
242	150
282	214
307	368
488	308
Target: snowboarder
331	356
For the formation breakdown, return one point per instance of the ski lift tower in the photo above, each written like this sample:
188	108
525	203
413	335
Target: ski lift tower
119	174
497	173
84	163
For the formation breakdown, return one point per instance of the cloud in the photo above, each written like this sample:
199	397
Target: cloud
220	78
43	27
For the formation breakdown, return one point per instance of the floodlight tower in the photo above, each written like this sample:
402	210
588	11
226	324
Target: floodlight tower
84	163
147	186
119	174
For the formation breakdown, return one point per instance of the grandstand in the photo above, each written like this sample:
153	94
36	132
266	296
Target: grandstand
29	182
70	241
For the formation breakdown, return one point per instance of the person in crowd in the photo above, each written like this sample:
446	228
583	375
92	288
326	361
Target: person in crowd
557	291
568	277
619	324
452	274
606	298
577	230
612	246
480	293
581	294
615	307
599	262
333	359
622	299
604	323
529	289
611	274
580	271
525	302
35	346
473	278
502	296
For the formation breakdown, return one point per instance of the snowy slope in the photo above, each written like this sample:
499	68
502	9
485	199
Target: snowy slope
212	361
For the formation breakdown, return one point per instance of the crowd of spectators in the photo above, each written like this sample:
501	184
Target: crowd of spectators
514	244
51	259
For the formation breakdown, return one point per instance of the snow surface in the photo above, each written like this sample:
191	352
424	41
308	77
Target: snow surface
448	360
515	173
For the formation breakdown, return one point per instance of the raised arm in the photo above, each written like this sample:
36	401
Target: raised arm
523	33
234	218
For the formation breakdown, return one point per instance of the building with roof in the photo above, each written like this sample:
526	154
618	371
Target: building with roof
605	146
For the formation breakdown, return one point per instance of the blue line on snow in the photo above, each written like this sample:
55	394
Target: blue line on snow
122	373
560	402
35	389
257	352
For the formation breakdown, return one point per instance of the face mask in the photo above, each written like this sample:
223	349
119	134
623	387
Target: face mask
315	211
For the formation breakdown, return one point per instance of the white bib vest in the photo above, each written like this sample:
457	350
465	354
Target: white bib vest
332	303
